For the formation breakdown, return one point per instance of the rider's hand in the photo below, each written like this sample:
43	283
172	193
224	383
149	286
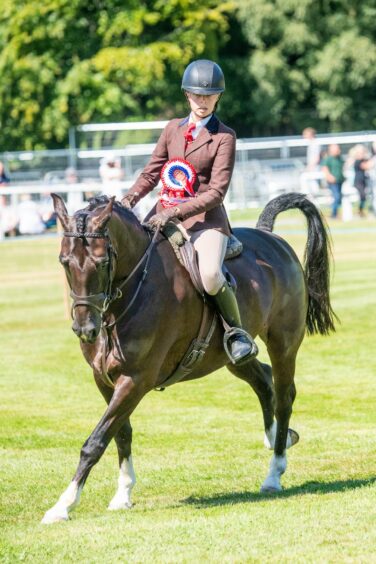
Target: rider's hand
130	200
160	219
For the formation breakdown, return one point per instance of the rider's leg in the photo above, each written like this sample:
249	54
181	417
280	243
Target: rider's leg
211	249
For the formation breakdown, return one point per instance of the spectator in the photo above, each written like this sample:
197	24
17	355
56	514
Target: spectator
111	175
313	149
310	178
30	221
46	210
8	218
332	167
70	175
362	163
3	177
373	179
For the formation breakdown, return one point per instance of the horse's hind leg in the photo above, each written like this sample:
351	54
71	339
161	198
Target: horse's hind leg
284	394
124	400
259	376
127	477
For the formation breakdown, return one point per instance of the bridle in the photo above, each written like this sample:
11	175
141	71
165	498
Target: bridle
102	300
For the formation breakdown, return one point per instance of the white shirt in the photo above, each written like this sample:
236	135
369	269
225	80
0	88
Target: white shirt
30	221
313	154
199	125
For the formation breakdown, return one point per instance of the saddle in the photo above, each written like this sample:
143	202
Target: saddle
187	256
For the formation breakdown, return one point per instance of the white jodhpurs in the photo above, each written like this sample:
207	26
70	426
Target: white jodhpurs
211	249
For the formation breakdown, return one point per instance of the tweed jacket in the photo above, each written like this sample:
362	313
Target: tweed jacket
212	154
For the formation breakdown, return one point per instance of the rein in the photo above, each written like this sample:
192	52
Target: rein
102	300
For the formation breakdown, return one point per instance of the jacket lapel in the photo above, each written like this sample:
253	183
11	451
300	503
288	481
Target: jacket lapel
179	139
205	136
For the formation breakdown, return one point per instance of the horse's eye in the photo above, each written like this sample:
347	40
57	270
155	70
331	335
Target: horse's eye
63	260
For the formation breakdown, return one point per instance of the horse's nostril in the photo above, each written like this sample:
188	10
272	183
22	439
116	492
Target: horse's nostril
92	335
76	329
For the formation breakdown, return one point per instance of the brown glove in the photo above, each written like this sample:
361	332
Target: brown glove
162	218
130	200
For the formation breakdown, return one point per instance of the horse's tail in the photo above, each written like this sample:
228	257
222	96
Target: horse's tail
320	315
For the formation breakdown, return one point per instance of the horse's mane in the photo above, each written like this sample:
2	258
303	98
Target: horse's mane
98	202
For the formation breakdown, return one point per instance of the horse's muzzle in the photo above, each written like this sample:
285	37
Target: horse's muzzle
87	333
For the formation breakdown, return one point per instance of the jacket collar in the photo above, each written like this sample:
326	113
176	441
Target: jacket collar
212	126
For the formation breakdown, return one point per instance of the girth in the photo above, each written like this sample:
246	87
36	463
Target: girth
186	254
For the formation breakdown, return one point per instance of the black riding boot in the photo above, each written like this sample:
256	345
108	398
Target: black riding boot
239	345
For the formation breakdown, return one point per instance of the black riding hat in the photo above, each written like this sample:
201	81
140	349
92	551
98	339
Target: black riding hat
203	77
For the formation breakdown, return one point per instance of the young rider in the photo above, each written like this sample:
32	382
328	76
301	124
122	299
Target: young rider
209	147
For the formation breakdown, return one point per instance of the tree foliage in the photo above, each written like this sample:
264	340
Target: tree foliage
313	62
288	63
66	62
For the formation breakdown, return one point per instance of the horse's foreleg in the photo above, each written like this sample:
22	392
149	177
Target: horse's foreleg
127	477
124	400
284	388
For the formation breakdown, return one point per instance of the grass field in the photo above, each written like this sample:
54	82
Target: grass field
198	449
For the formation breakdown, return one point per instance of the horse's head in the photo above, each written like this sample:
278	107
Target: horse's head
89	261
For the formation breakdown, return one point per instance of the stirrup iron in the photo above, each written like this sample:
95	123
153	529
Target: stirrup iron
230	334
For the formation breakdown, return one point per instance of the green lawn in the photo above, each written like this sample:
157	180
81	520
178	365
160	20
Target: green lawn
198	449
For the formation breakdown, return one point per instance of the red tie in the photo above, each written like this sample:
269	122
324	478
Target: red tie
188	134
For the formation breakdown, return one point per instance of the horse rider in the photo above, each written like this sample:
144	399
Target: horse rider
209	147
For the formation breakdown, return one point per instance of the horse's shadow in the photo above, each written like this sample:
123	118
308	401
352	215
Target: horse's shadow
312	487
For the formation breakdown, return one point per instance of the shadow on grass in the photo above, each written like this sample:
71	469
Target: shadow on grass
320	488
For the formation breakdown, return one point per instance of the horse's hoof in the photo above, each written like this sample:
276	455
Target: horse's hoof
55	516
119	504
293	438
270	490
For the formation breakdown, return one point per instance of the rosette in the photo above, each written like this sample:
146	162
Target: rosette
178	177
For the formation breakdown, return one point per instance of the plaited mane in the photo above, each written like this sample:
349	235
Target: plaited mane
81	221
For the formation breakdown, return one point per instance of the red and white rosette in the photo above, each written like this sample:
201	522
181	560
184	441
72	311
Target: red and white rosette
178	177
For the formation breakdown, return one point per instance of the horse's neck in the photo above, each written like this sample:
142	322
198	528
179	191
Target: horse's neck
130	241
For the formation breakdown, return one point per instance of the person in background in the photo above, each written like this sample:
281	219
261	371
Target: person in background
310	177
30	220
4	179
332	167
372	174
313	149
362	163
111	174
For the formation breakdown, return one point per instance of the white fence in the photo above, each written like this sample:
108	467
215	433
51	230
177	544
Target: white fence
264	168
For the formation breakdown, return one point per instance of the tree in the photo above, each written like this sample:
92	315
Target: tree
66	62
313	62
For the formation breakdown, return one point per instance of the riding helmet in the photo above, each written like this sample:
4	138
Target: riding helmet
203	77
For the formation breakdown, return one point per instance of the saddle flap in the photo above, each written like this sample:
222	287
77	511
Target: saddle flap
189	258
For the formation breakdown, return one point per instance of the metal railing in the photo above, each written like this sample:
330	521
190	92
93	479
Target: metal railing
264	168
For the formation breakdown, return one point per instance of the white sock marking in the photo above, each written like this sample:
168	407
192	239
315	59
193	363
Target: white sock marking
270	435
278	465
126	481
67	502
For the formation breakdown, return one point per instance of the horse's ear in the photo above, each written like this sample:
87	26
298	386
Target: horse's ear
61	211
99	221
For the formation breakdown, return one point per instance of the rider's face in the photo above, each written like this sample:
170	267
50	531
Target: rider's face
201	106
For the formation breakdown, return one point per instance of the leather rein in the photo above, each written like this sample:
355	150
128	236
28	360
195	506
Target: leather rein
102	300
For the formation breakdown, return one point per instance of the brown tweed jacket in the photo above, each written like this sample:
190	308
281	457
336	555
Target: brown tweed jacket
212	154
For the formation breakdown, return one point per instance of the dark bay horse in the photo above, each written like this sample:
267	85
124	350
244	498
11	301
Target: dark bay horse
136	313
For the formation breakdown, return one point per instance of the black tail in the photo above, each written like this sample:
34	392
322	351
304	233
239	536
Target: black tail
320	315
